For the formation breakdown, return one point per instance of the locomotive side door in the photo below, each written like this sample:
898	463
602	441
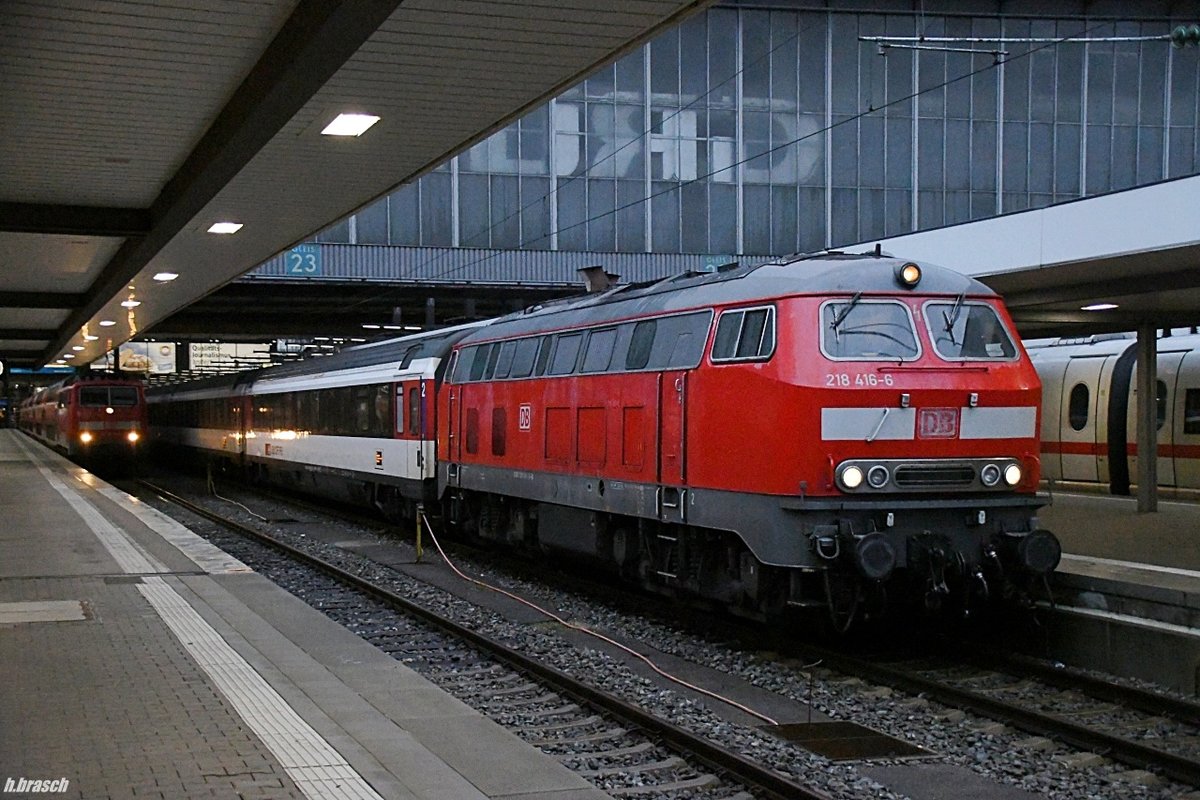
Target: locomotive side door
672	446
1079	414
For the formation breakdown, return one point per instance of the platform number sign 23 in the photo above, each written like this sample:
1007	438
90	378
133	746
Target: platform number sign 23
304	260
525	417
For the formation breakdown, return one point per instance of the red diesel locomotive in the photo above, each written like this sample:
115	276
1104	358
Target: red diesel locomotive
84	416
811	433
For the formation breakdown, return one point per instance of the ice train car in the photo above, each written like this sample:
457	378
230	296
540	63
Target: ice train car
1089	423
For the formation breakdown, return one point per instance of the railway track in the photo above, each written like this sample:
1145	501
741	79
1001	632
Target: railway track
1124	724
1137	727
616	745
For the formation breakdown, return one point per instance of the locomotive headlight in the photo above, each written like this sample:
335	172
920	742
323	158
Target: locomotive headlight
132	436
877	476
1013	474
908	275
85	437
852	477
990	475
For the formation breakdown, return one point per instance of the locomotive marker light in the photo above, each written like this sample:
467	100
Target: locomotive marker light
908	275
877	476
132	436
85	437
989	475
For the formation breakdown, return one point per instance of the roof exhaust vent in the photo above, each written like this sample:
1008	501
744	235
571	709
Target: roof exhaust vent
596	279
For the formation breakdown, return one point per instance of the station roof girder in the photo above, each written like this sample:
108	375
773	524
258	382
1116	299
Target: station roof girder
131	126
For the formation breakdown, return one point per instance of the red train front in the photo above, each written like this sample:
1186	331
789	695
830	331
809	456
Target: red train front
797	434
89	416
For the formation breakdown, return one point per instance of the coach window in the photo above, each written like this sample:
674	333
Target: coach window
640	344
383	410
1077	407
362	410
1161	398
679	341
505	361
479	361
599	351
745	335
1191	411
493	358
868	330
545	345
523	358
414	410
566	351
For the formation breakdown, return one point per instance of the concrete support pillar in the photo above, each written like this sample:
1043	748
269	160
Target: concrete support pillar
1147	418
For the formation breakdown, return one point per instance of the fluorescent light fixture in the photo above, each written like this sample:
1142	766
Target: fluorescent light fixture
393	328
68	355
77	347
106	323
412	327
350	125
131	303
165	276
370	327
1099	307
225	227
89	338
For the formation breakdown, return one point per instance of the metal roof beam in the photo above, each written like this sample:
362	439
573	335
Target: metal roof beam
1109	287
26	334
73	220
313	44
40	300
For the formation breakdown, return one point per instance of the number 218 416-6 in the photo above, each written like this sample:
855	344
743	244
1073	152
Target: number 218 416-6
867	379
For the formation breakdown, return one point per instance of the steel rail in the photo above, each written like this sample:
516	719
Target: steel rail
757	776
1117	748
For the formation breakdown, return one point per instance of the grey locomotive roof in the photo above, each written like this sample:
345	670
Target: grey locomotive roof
828	273
433	343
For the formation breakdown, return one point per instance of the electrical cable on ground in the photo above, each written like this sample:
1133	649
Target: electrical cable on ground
582	629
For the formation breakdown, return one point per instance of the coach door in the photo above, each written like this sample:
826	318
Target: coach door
412	427
1078	419
672	451
1168	374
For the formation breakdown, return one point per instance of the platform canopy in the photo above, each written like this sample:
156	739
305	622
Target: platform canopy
131	128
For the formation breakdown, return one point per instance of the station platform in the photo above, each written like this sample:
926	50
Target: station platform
138	660
1127	592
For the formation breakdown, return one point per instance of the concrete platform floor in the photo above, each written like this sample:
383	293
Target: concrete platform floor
139	661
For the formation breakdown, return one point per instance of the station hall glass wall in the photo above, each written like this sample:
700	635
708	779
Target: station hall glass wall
759	130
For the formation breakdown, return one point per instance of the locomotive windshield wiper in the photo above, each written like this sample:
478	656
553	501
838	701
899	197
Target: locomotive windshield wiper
952	315
841	314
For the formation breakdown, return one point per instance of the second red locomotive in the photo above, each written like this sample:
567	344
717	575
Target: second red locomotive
85	416
799	434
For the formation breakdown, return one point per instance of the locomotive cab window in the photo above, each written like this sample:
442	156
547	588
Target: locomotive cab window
745	335
963	331
868	330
